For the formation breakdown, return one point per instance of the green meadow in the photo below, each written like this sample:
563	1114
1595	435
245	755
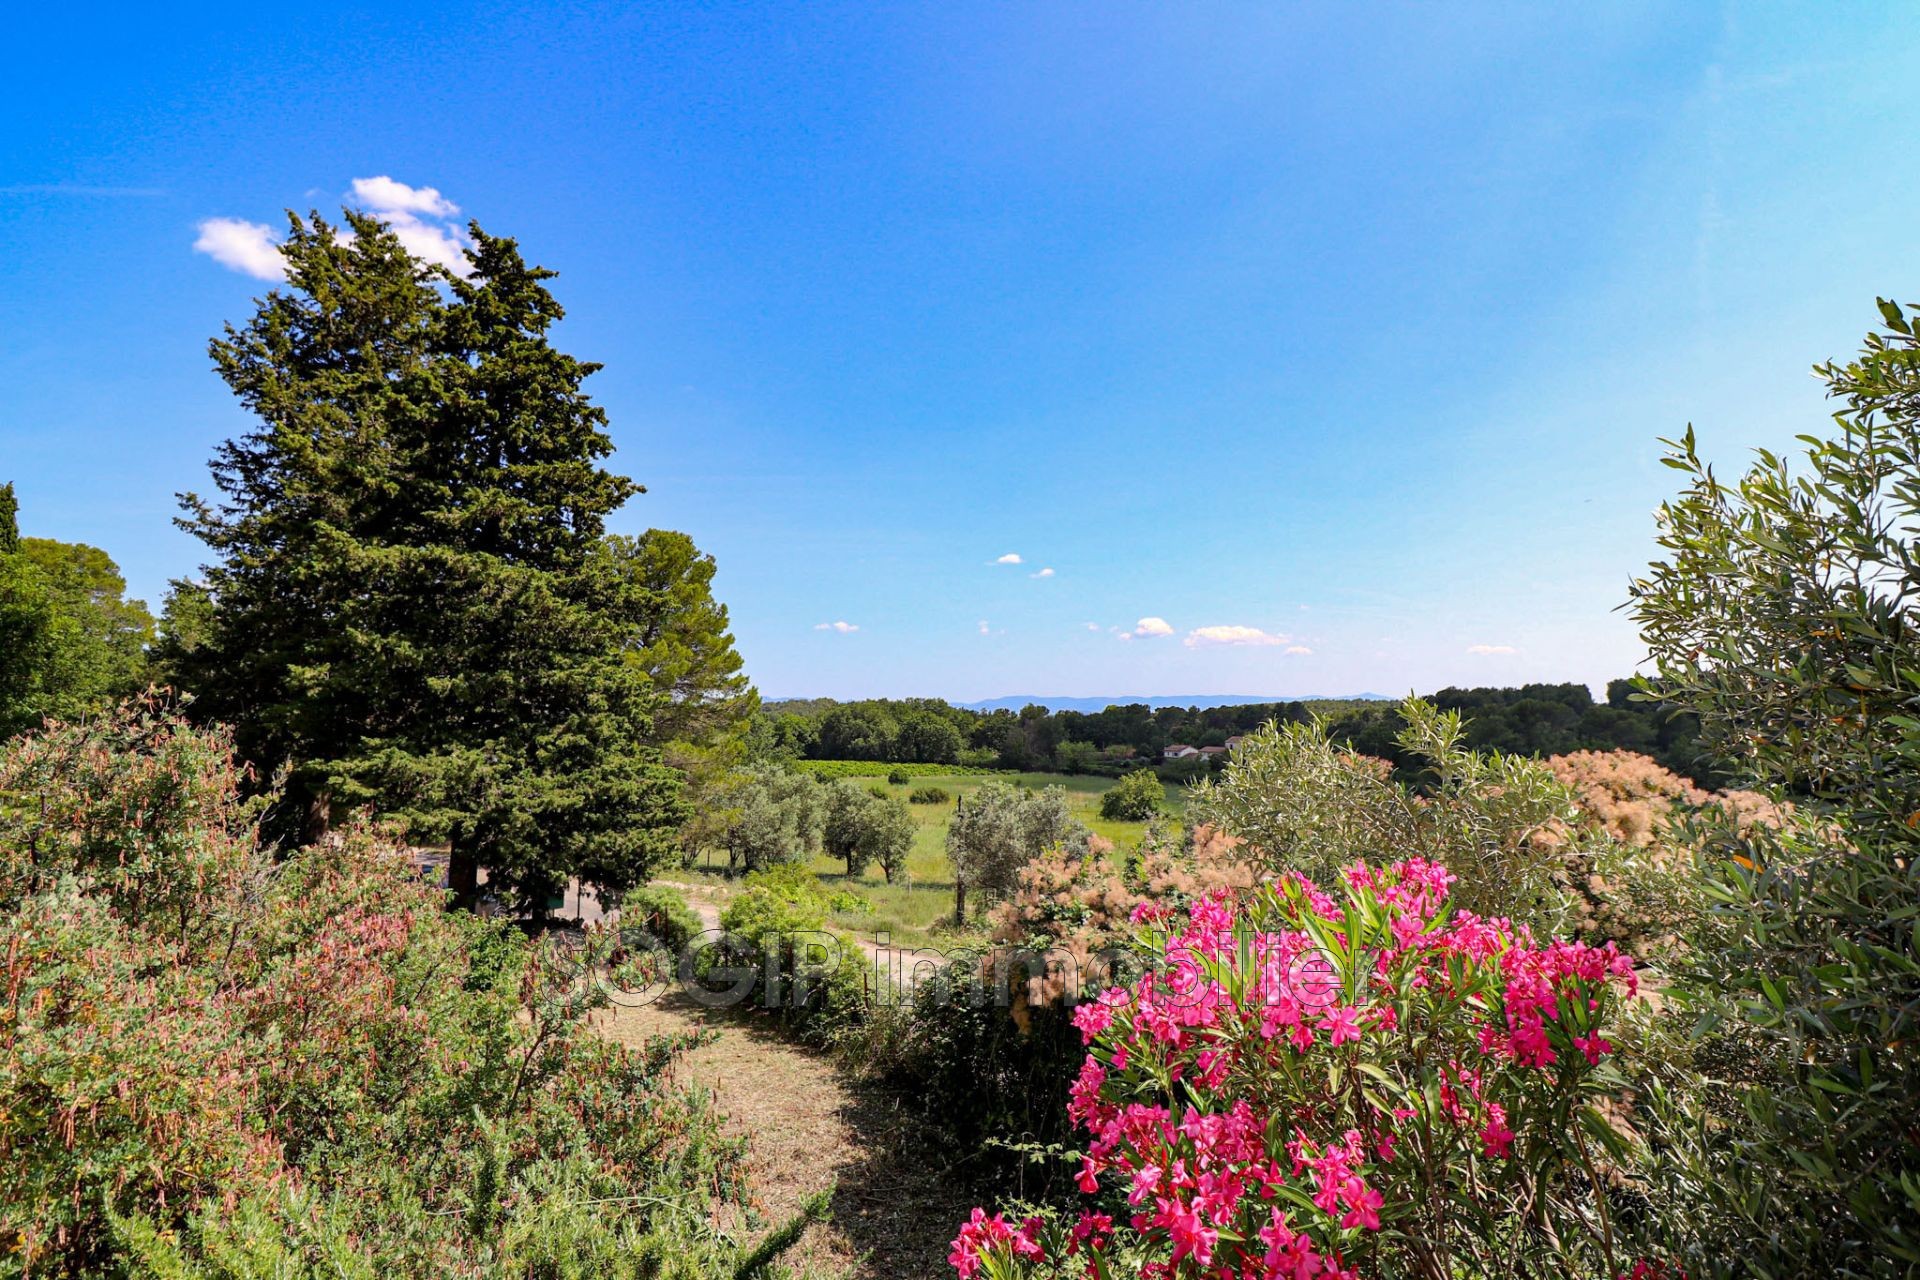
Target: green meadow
919	909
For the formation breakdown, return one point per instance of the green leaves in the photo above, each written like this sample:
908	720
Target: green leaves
1783	615
410	598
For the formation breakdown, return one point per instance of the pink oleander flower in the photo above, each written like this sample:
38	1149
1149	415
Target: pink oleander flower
1495	1137
1342	1024
1290	1050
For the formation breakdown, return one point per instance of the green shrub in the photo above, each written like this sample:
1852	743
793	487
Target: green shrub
849	902
929	795
1784	617
981	1081
660	914
790	882
1137	797
812	978
1301	802
899	777
213	1062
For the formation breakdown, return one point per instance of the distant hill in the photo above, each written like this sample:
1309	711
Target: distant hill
1200	700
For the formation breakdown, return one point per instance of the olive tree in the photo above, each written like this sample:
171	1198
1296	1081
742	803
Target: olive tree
1784	614
886	836
777	816
999	829
1299	801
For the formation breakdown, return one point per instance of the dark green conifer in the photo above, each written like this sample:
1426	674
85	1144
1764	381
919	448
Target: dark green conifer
407	604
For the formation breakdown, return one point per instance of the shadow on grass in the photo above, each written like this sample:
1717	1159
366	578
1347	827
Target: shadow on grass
898	1199
901	1202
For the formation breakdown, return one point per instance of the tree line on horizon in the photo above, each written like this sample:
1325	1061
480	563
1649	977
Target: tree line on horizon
1534	719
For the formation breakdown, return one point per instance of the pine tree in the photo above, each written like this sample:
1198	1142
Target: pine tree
70	643
685	647
26	622
409	607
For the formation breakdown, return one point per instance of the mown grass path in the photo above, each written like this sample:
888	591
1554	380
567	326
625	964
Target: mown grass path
810	1126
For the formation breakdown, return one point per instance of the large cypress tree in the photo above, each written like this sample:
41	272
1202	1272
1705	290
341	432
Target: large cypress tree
406	607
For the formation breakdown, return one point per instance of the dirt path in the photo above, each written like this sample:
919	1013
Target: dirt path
808	1127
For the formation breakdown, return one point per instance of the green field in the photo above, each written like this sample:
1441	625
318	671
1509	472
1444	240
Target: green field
910	911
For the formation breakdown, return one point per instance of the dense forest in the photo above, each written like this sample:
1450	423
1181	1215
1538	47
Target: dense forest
1534	719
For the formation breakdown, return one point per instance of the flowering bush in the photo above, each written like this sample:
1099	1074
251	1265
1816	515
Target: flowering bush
1637	801
1318	1087
215	1062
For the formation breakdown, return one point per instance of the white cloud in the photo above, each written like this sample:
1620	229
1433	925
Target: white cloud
1202	637
1012	557
1492	650
1093	626
405	209
1152	627
417	215
442	246
1044	573
844	628
1298	649
384	195
985	628
246	247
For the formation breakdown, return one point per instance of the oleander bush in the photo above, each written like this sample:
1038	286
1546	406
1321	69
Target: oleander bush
219	1061
1337	1086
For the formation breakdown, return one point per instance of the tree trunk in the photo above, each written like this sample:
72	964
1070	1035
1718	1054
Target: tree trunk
319	819
463	875
959	900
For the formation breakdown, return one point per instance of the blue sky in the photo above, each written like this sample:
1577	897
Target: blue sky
1314	348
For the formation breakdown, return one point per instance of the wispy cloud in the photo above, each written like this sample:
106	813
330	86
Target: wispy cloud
1299	650
1093	626
246	247
1012	557
1492	650
1208	637
842	626
81	190
1044	573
